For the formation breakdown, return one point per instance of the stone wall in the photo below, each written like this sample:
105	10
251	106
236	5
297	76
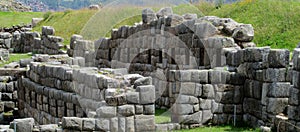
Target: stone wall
24	42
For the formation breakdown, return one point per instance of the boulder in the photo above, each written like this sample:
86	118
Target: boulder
189	16
148	15
164	12
243	33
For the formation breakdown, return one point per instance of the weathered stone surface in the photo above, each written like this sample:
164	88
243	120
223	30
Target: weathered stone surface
205	29
102	124
191	119
188	89
88	124
164	12
208	91
144	123
148	15
189	16
147	94
244	33
279	58
276	105
126	110
149	109
47	30
275	75
183	109
72	123
278	90
143	81
48	128
133	97
23	125
106	112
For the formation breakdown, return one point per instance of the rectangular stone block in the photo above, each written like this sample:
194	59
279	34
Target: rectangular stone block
278	90
106	112
199	76
144	123
279	58
102	124
188	89
208	91
72	123
277	105
254	54
275	75
147	94
88	124
294	96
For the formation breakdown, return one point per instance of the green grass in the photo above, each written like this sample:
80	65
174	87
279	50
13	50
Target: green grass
15	58
226	128
276	22
162	116
8	19
66	23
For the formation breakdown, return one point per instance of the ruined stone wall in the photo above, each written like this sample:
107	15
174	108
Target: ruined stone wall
24	42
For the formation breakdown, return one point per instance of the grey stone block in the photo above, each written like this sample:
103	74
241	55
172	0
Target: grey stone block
205	104
277	105
278	90
149	109
130	124
148	15
23	125
200	76
208	91
144	123
147	94
275	75
106	112
164	12
102	124
254	54
188	89
294	96
279	58
205	29
88	124
195	118
114	124
183	109
126	110
244	33
133	98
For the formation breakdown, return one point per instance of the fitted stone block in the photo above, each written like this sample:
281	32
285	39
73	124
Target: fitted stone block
106	111
276	105
147	94
144	123
126	110
72	123
88	124
279	58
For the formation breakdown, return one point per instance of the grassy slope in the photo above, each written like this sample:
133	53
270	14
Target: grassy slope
8	19
15	58
276	22
67	23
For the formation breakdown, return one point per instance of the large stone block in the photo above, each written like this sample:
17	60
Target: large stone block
133	97
205	29
278	90
188	89
148	15
275	75
72	123
254	54
144	123
294	96
102	124
279	58
277	105
88	124
208	91
147	94
23	125
106	112
195	118
126	110
243	33
200	76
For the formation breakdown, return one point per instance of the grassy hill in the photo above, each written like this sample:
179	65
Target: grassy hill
8	19
276	22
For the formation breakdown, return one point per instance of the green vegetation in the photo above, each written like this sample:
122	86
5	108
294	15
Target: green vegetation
226	128
15	58
66	23
162	116
276	22
8	19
